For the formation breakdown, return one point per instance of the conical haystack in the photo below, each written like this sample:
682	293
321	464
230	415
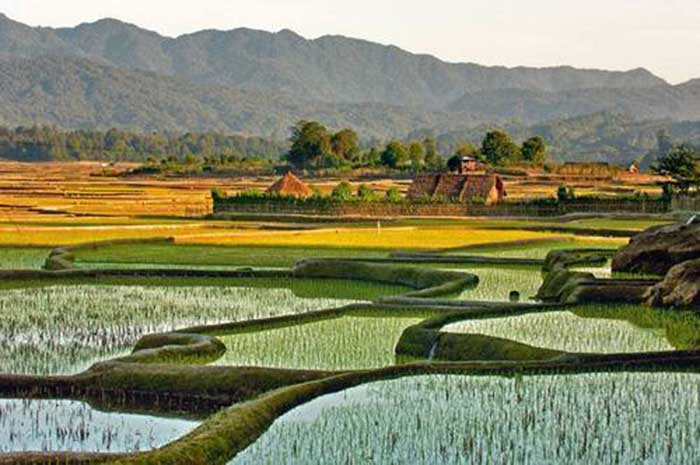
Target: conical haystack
290	185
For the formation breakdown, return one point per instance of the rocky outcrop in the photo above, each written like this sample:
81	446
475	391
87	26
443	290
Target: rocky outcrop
680	287
657	250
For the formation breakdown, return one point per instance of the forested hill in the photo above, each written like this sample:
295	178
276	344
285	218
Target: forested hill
331	69
110	74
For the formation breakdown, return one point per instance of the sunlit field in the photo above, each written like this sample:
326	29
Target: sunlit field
119	291
384	238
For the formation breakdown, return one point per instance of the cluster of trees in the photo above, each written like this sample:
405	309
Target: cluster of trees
49	144
313	146
681	162
498	149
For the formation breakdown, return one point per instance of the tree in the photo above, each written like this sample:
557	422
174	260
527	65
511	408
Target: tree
499	149
466	150
373	157
534	151
342	192
345	144
432	157
366	194
393	195
454	163
664	144
311	145
394	155
680	163
416	153
565	193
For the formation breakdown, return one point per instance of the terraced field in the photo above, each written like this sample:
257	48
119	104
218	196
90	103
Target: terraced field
212	353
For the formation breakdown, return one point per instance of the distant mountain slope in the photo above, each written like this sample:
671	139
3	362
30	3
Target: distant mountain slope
679	103
112	74
331	68
605	137
77	93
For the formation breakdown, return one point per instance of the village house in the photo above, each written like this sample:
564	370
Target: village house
487	189
471	165
290	186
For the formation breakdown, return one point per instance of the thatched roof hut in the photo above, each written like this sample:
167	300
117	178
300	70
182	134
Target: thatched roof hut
469	188
290	185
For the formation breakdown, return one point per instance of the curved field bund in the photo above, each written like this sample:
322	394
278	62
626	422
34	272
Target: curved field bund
170	372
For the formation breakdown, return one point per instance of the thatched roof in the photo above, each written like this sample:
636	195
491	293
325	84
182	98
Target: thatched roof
462	187
290	185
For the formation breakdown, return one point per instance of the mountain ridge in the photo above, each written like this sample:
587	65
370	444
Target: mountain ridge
330	68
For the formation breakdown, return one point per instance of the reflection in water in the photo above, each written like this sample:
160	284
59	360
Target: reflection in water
71	426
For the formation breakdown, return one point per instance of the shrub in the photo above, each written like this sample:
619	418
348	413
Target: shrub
565	193
393	195
366	193
342	192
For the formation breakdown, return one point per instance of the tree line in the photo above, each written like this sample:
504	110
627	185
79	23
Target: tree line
313	146
40	143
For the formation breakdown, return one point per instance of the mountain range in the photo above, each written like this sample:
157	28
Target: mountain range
113	74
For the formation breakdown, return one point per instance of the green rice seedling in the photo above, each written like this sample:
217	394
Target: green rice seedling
680	327
540	251
252	255
496	283
70	426
349	342
602	419
65	329
567	332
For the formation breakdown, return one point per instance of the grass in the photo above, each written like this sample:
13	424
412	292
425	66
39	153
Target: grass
255	256
16	258
577	420
567	332
348	342
612	223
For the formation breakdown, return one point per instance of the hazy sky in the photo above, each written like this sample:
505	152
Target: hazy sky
660	35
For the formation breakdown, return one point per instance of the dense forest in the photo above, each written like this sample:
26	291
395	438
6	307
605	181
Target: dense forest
47	144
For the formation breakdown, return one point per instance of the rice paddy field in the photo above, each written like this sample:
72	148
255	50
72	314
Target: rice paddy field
64	325
497	282
609	418
62	425
346	343
65	329
568	332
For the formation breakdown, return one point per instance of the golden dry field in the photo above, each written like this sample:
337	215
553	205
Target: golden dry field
50	204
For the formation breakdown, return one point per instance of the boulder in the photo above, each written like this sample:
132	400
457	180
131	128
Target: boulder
680	287
657	250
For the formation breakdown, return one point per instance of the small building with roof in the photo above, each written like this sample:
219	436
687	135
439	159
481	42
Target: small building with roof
470	164
290	186
486	189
